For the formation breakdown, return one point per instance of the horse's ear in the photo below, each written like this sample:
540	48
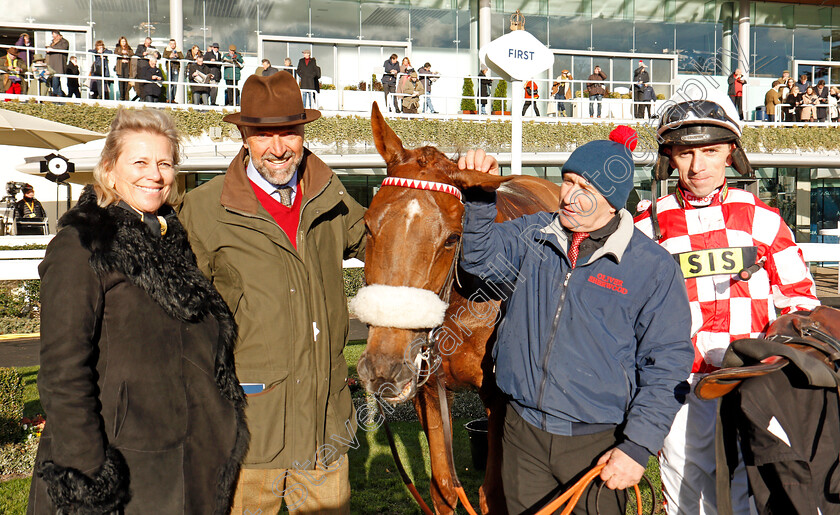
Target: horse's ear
467	179
387	142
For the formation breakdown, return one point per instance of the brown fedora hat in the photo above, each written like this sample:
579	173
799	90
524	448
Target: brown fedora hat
272	101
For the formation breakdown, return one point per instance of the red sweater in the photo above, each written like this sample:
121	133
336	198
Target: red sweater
288	218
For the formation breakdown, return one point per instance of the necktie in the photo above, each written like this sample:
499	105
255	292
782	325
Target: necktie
285	195
574	249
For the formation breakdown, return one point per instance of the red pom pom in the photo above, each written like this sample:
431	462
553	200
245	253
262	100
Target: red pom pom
626	136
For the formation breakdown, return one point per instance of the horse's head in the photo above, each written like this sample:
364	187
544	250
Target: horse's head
414	226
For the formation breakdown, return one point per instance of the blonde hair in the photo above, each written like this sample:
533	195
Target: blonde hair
126	122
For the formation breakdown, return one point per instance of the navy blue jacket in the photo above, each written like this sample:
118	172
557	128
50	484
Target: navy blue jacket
605	343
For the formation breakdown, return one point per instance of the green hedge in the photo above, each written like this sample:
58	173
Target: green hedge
448	135
11	405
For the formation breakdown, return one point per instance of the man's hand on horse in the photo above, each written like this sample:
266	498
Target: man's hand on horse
479	160
621	471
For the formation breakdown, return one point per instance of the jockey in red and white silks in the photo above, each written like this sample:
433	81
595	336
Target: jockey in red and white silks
714	232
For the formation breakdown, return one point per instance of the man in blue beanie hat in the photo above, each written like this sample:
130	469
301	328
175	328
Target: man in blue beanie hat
594	347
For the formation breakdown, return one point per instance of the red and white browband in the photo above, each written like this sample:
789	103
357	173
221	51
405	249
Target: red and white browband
423	185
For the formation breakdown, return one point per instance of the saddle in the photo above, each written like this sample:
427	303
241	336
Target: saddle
809	341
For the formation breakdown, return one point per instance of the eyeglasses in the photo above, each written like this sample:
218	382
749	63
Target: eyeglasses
696	110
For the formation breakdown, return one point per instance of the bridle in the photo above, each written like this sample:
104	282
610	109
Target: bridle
428	357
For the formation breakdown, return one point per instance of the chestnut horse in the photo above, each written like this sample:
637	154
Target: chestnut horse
413	240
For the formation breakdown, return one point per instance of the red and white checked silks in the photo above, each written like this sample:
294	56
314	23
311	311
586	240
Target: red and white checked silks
724	309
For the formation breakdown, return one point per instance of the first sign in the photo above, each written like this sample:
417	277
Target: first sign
517	54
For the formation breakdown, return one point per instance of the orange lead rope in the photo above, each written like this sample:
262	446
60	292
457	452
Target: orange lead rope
573	494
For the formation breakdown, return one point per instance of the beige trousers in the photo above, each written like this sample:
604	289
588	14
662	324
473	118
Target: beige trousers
325	490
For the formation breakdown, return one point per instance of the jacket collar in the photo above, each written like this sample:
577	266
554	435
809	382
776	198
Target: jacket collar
615	245
237	194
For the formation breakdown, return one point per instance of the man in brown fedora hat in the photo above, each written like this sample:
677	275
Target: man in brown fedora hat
271	235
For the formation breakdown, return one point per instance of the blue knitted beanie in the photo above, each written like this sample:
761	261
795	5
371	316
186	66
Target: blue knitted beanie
607	165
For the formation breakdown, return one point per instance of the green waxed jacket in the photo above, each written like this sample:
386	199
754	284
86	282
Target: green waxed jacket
289	304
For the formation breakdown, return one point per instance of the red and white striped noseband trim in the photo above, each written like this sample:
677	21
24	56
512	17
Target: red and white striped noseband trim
423	185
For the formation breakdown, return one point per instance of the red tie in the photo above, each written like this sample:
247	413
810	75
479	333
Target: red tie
574	250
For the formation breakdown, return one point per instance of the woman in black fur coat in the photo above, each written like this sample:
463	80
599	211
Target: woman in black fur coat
144	411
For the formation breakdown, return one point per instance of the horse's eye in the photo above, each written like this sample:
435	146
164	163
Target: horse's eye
452	240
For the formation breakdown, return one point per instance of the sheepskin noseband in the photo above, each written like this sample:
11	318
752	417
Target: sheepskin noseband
402	307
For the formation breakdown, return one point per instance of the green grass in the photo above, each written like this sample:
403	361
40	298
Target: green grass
14	495
376	485
31	399
352	352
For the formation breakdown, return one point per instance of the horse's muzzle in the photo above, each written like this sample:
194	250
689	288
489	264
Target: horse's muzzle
392	381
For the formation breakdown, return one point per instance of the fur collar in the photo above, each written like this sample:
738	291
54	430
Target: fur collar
162	266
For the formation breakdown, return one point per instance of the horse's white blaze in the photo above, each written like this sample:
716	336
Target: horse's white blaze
411	211
402	307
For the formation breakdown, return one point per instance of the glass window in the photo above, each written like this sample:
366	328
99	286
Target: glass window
574	8
288	19
570	33
499	25
771	51
335	19
614	9
657	37
526	7
696	46
612	35
433	28
538	27
812	44
380	21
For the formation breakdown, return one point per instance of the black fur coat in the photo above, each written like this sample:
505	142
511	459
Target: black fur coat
144	410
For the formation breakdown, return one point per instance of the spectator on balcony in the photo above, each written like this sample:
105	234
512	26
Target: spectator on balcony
532	93
265	69
309	73
389	81
151	80
803	82
596	88
43	74
562	91
57	60
641	78
785	77
287	66
785	89
411	91
232	73
99	69
213	59
822	100
736	90
794	102
427	77
13	69
173	68
142	52
194	52
123	52
26	49
833	98
484	85
405	71
199	75
809	106
72	71
771	100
